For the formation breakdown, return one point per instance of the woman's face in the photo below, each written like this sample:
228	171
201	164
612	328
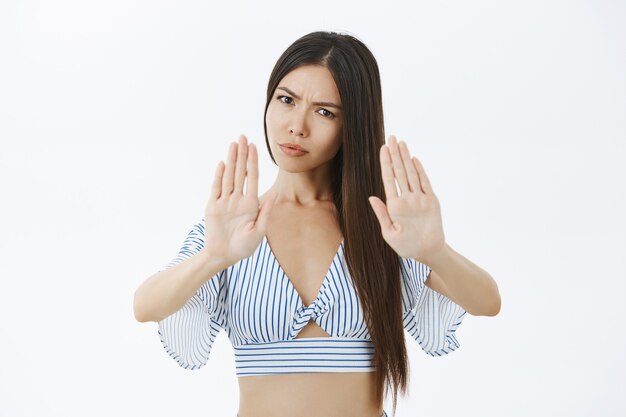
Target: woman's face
305	110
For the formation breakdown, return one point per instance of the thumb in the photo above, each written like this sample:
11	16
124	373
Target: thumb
264	212
380	209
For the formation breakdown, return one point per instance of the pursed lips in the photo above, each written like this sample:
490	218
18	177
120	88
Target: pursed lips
293	146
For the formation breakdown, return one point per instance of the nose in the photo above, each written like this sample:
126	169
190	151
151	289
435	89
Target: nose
299	131
297	124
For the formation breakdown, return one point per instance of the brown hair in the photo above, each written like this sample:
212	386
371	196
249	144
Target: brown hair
373	264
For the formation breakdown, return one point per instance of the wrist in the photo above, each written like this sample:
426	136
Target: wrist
440	256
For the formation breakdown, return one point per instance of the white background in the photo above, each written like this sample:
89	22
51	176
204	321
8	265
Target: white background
114	115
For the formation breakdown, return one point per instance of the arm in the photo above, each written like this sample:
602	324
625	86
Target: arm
463	282
168	290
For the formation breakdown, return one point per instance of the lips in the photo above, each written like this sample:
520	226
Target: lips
292	146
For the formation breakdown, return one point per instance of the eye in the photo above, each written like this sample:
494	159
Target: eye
281	97
329	115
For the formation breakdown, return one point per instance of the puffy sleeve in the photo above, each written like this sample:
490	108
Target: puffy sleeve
430	318
188	334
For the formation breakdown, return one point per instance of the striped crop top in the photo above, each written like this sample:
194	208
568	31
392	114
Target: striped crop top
258	307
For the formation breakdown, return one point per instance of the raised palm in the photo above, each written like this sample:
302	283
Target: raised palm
234	222
410	220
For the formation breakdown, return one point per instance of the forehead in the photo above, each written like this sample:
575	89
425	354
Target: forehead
312	80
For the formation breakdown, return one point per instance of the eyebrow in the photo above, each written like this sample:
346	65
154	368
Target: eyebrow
318	103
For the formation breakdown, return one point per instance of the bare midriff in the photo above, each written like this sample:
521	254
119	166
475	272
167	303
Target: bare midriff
315	394
308	395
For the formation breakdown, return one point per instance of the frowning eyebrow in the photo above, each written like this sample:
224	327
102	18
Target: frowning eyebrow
318	103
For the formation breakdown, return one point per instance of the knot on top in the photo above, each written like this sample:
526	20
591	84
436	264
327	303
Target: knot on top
304	314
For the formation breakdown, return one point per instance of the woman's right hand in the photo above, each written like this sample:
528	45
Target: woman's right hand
234	224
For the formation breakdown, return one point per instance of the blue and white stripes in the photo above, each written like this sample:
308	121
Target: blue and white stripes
310	354
188	334
257	305
431	318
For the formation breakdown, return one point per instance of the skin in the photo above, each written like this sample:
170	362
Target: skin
304	235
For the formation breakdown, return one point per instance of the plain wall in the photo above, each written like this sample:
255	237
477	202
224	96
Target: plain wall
114	115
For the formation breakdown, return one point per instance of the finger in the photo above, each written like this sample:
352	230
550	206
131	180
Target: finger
216	188
424	181
398	165
387	173
380	209
227	181
242	160
252	185
411	171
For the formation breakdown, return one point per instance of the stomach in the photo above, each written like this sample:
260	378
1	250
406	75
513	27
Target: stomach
320	394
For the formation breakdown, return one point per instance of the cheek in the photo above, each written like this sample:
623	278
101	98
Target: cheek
333	131
333	140
338	136
268	116
272	118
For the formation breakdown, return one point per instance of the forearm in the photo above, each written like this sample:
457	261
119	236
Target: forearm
466	283
168	290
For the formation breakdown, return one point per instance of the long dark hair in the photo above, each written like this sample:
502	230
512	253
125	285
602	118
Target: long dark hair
373	264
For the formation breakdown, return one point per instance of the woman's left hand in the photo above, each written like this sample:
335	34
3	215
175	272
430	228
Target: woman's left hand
410	222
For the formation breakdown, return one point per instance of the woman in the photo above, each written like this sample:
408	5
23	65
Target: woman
312	339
